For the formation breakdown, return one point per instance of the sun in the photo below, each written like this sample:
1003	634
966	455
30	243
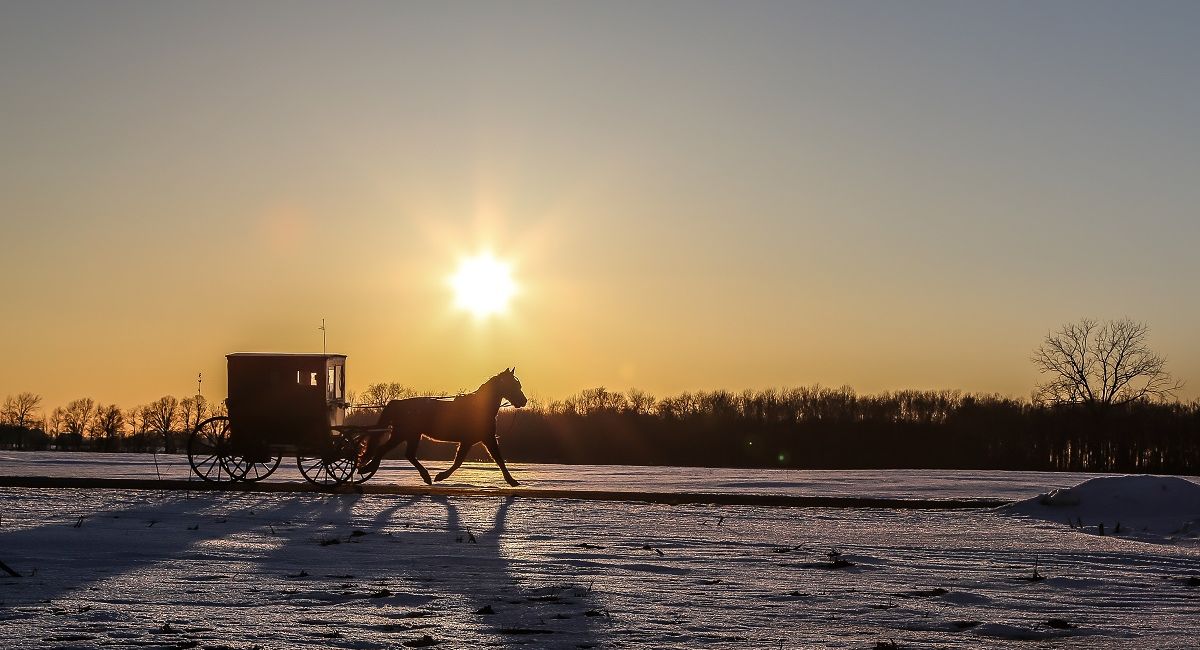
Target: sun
483	285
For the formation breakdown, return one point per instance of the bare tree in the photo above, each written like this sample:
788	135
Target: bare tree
78	415
136	426
108	426
382	393
162	416
1101	364
20	410
54	422
594	400
640	402
192	411
372	400
77	418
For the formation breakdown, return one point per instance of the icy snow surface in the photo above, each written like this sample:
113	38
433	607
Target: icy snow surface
107	568
856	483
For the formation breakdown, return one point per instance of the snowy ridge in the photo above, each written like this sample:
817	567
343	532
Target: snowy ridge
1145	508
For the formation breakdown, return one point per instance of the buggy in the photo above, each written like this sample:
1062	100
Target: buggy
284	404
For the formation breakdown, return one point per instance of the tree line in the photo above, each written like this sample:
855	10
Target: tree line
805	427
84	424
1106	403
817	427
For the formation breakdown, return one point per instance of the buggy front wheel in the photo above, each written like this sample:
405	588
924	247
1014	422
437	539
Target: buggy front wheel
334	467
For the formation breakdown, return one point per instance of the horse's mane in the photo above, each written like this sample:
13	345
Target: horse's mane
493	379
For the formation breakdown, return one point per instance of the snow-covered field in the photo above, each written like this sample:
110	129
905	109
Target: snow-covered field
106	568
853	483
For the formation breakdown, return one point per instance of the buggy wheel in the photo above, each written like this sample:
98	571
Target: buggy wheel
208	449
365	474
335	467
251	468
363	468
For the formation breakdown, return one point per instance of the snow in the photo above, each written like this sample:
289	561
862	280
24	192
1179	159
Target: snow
945	484
142	568
1145	508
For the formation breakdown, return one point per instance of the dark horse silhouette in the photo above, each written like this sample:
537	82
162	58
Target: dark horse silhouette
466	419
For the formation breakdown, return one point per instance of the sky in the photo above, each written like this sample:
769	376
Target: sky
690	195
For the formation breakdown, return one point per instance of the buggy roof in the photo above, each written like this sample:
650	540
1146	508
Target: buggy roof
286	355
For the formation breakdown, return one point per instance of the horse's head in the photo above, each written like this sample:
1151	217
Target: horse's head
508	387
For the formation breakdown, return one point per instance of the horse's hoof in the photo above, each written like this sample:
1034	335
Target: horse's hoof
514	483
439	478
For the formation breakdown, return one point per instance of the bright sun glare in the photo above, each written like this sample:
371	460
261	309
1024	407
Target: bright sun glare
483	285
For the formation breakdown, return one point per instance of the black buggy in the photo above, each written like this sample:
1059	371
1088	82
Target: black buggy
283	404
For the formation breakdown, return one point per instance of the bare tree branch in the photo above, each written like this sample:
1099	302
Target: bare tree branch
20	410
1101	364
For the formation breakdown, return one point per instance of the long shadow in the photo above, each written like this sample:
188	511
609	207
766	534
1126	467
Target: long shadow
448	574
523	612
319	551
78	550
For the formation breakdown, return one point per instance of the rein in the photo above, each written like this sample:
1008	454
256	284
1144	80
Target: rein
504	403
515	412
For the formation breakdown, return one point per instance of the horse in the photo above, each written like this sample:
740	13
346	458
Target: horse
467	419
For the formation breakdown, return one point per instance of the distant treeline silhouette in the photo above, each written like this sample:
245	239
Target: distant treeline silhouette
836	428
807	427
84	424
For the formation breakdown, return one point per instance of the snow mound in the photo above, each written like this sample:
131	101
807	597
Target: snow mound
1148	508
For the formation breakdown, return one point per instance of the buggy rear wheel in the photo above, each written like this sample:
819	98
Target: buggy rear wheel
333	468
208	448
251	468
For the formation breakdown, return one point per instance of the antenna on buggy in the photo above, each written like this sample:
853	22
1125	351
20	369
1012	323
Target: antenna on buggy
322	328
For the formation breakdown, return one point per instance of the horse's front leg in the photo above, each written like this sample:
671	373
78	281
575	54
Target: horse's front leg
410	452
493	447
459	456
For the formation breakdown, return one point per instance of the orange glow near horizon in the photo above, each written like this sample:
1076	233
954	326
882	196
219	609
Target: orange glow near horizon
827	198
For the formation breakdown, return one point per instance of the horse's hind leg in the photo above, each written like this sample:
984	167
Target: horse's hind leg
459	456
410	452
493	447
